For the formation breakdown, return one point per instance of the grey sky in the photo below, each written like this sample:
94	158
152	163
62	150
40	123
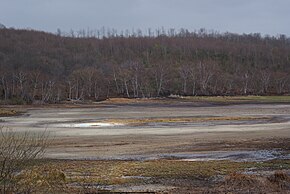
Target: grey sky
241	16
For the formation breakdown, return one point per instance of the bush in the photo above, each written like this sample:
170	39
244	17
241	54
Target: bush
17	152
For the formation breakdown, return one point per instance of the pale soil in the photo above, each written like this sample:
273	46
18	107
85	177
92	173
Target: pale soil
72	140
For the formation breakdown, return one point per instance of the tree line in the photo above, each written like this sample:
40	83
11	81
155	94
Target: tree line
49	68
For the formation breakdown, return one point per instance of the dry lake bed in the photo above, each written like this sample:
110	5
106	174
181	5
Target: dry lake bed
174	139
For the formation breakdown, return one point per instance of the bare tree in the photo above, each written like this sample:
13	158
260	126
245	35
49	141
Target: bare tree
159	71
135	68
245	80
281	82
265	76
206	73
184	72
17	151
132	63
34	80
21	77
4	86
193	76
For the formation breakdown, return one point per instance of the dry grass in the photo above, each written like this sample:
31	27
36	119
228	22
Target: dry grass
139	101
240	99
78	174
39	179
280	179
279	182
113	172
8	112
240	183
182	120
122	100
208	99
183	169
237	180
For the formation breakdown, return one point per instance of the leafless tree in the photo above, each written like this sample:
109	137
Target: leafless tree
193	76
17	151
184	71
281	82
265	76
159	71
245	82
21	78
82	65
206	72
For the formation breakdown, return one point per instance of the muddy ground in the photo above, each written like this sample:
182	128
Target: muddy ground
179	131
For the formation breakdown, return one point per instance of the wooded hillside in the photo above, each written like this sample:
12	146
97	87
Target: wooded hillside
39	66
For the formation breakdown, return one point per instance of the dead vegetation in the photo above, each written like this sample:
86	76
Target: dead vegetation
202	99
67	176
123	100
280	179
183	120
37	180
240	99
240	183
237	182
18	151
192	177
8	112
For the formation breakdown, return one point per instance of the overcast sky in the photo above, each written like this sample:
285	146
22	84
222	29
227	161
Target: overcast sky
239	16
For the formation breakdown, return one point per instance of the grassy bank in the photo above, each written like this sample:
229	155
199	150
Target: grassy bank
201	99
240	99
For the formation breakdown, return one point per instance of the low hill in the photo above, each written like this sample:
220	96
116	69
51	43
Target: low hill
39	66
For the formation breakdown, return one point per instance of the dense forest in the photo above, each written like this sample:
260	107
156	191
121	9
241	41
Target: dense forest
49	68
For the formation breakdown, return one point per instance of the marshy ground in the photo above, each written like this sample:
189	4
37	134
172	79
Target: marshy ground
205	145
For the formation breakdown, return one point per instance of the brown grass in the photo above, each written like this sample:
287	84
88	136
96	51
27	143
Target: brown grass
240	99
182	120
8	112
85	173
112	172
279	182
206	99
240	183
121	100
280	179
135	100
237	180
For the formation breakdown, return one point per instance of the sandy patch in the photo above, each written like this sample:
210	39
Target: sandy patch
86	125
